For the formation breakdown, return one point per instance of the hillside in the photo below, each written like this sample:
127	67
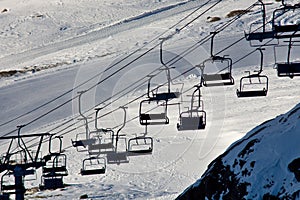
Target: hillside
53	50
262	165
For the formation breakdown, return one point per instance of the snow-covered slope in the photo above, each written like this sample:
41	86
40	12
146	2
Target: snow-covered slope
264	164
46	101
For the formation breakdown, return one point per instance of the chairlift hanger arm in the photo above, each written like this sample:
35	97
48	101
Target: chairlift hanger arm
212	42
263	5
261	59
50	143
79	104
123	125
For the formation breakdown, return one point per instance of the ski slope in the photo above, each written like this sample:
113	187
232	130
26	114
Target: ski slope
179	158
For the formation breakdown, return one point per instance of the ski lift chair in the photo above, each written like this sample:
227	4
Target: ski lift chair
54	171
220	78
140	145
195	117
168	94
261	80
261	34
57	166
103	142
288	68
93	166
285	30
8	185
152	117
156	94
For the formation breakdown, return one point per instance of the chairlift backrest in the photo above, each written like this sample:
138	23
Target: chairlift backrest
93	166
288	68
221	77
261	81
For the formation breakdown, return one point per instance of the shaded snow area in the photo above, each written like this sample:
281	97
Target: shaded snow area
30	24
264	164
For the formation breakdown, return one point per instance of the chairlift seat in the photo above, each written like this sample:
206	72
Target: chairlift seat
166	96
144	142
92	171
141	151
11	187
288	69
98	167
55	174
29	171
52	183
101	146
259	36
191	123
287	28
55	169
252	93
218	79
154	116
147	119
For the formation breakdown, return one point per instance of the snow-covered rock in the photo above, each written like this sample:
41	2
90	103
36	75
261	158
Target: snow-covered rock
262	165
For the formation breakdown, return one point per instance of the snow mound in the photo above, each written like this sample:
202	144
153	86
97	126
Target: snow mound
262	165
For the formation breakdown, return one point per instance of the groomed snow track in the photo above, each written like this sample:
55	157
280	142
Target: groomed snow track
94	35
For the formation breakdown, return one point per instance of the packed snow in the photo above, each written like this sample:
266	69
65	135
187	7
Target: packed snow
60	44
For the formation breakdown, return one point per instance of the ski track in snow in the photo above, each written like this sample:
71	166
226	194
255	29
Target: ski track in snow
12	61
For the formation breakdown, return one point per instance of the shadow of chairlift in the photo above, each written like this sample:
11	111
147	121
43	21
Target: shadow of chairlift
288	68
285	30
221	78
104	139
82	140
119	156
255	79
260	36
195	117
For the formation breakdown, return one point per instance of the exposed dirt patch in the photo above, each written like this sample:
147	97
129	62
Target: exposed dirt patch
213	19
4	10
237	12
10	73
